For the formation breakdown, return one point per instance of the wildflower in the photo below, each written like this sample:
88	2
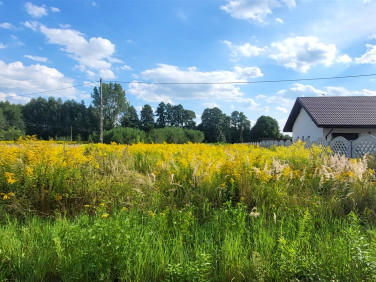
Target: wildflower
124	209
254	212
152	214
102	204
58	197
86	206
9	176
105	215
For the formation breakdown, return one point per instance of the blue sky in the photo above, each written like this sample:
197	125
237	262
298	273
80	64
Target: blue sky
48	45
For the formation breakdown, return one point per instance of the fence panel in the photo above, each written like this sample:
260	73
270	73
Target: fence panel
363	145
341	145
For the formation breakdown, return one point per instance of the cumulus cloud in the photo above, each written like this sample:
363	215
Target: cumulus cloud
55	10
285	98
17	79
33	25
301	53
344	59
246	50
93	54
35	11
36	58
191	83
369	57
256	10
6	25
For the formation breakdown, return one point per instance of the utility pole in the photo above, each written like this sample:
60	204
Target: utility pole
101	114
71	135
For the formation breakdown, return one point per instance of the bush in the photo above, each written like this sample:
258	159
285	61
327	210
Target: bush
176	135
124	135
11	134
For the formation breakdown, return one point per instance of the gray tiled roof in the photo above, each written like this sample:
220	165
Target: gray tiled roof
344	111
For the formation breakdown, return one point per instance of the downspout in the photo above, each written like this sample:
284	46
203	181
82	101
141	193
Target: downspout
330	131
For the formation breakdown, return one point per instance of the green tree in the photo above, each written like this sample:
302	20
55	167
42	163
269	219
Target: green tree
188	119
215	125
265	127
130	118
161	115
114	104
147	118
11	116
240	127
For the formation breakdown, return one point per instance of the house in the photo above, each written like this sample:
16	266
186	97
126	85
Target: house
329	117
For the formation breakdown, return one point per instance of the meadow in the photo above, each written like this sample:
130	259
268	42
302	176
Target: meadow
192	212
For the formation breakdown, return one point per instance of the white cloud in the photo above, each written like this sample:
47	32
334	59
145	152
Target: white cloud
278	20
92	54
246	50
211	105
33	25
35	11
199	87
2	46
13	98
301	53
125	67
344	59
6	25
55	10
281	109
369	57
18	78
107	74
256	10
36	58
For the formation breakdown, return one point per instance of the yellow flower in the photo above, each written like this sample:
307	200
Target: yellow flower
87	206
105	215
9	176
58	197
5	197
152	214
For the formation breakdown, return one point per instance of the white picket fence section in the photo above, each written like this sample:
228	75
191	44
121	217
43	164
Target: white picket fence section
339	145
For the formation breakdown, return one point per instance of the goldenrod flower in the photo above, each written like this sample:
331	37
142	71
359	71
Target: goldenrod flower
105	215
9	176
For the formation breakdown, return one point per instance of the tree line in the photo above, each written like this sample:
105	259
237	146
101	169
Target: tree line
71	120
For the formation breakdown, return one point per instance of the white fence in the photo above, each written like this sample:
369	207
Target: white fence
339	145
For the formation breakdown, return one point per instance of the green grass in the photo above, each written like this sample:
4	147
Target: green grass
227	244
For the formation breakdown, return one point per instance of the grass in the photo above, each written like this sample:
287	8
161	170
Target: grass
176	245
184	213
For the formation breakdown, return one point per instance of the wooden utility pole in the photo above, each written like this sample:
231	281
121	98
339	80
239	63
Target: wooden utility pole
101	114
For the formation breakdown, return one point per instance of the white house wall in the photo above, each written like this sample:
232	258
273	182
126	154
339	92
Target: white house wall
305	128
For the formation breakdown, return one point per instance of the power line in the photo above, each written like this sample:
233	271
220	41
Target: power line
246	82
48	91
199	83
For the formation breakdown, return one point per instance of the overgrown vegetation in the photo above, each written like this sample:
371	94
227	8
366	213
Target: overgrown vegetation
188	212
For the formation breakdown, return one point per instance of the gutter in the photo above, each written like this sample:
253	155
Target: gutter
330	131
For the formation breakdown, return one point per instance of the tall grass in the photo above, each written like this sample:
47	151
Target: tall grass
189	212
175	245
